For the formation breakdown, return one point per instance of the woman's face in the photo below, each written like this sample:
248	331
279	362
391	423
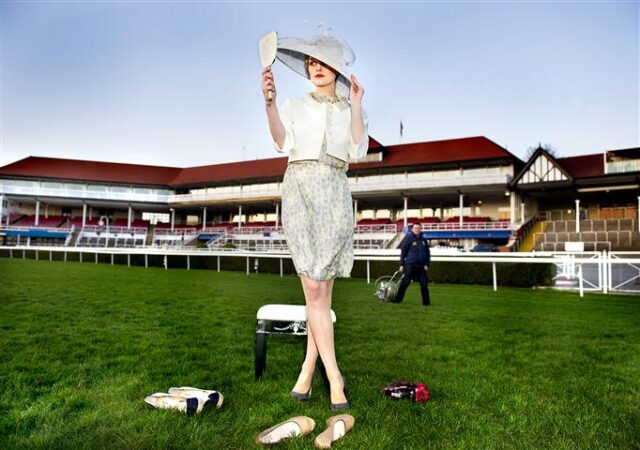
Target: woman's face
320	74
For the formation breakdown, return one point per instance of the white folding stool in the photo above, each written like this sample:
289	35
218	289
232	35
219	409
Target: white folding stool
278	319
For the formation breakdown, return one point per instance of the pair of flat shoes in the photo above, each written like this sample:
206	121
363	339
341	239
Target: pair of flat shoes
186	399
337	427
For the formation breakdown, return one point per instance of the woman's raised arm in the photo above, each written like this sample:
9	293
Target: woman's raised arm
275	124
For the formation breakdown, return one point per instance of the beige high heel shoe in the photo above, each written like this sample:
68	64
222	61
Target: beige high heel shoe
295	426
337	427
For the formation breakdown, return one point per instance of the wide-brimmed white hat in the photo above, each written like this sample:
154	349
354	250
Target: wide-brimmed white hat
330	50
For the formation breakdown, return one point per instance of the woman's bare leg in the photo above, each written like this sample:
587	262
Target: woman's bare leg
318	297
308	365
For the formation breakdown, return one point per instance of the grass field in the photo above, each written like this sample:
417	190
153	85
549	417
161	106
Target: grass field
82	344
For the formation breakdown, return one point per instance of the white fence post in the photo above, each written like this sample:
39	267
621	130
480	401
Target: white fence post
495	277
605	271
580	280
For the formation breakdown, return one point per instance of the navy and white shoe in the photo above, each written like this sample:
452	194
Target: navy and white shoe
211	398
187	405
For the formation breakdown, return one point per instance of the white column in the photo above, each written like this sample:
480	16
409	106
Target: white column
512	208
46	211
129	217
522	213
173	218
577	216
461	208
84	214
204	217
406	204
240	216
277	215
355	211
37	213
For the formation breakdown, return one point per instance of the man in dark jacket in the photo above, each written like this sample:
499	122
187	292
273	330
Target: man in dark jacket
415	260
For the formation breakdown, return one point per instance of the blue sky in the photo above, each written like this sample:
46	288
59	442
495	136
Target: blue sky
177	83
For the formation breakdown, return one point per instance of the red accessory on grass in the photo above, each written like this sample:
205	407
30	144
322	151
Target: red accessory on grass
417	392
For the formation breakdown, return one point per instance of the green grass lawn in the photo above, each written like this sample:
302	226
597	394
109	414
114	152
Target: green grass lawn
81	345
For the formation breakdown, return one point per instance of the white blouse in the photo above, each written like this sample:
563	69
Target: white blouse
308	122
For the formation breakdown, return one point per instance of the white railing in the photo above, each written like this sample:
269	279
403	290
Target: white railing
112	229
376	228
177	231
592	271
83	194
623	166
176	237
254	230
501	225
38	228
360	184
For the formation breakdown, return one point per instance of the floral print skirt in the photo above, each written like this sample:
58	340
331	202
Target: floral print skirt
317	218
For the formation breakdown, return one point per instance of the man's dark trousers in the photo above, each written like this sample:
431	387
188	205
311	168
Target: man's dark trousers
414	272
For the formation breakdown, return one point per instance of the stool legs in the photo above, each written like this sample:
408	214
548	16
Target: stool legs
261	349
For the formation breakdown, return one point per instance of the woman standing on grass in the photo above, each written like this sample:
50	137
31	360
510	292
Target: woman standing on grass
321	132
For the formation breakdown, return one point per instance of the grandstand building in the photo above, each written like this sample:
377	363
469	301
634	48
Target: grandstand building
465	191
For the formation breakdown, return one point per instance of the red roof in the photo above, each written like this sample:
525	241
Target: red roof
421	153
584	166
245	170
268	168
73	169
440	152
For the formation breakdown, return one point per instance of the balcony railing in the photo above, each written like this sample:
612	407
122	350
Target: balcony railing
623	166
37	191
361	184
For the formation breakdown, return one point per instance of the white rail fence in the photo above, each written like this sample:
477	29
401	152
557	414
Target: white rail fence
605	272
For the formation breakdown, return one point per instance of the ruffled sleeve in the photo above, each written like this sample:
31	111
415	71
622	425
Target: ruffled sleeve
359	150
286	116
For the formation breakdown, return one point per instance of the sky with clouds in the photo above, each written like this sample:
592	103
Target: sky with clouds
178	83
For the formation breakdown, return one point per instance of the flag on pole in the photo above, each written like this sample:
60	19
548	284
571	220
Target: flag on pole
401	129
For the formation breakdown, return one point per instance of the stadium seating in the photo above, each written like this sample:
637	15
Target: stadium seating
48	222
114	236
76	222
167	225
596	234
373	221
13	217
